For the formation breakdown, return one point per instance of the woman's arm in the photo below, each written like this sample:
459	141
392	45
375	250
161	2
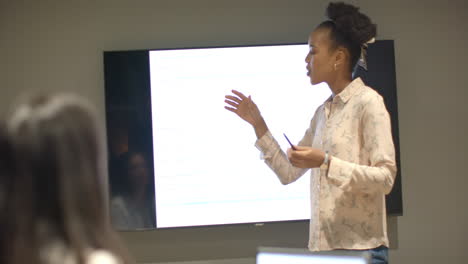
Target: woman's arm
379	175
278	161
274	157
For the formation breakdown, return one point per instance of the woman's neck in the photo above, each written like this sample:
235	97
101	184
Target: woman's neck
339	84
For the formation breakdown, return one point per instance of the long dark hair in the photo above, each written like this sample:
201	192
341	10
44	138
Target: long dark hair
58	187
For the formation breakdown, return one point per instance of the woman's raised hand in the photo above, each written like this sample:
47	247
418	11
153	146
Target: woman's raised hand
246	109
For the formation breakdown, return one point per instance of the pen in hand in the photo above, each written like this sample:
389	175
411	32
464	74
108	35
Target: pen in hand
292	146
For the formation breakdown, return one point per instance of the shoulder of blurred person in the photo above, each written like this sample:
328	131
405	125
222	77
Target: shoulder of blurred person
119	213
56	253
102	257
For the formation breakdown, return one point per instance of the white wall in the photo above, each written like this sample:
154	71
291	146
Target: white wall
58	45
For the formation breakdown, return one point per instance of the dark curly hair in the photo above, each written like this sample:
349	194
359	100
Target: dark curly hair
349	28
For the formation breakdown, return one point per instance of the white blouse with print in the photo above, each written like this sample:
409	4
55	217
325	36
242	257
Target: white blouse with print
348	198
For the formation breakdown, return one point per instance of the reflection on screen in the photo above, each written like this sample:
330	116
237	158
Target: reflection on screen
207	170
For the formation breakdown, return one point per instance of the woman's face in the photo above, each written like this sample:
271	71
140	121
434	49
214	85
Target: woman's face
320	64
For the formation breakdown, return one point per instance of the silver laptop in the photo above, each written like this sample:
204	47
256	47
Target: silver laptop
271	255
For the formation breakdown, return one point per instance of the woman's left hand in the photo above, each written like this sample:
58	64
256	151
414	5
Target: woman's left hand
306	157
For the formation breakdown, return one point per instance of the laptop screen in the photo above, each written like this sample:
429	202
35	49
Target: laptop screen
302	256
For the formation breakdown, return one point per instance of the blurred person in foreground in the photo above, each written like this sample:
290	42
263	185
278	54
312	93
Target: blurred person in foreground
56	203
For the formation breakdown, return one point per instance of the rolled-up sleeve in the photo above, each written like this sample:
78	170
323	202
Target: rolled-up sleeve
277	160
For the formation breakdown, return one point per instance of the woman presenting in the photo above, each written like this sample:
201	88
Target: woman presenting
348	146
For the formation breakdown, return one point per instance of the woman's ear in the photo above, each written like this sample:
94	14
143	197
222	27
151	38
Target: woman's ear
340	58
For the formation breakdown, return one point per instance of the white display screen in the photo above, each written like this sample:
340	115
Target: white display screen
207	169
282	258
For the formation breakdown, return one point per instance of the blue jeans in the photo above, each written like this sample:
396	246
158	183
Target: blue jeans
379	255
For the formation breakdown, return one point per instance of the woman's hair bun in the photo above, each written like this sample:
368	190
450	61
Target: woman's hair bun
353	24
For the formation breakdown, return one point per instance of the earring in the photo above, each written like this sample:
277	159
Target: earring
335	66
